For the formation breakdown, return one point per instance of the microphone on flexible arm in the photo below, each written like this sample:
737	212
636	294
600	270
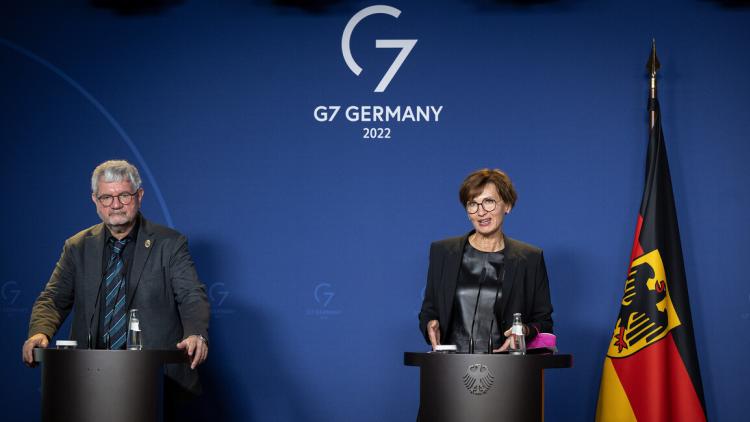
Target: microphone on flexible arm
492	322
476	306
92	344
489	340
96	304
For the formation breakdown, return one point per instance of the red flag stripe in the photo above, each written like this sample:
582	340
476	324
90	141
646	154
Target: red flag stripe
637	249
658	385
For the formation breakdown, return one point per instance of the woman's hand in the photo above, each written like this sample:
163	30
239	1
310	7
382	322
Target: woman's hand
509	341
433	331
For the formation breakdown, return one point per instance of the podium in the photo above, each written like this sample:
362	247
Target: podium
483	387
97	385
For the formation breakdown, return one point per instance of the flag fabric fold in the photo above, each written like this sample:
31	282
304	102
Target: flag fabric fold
651	370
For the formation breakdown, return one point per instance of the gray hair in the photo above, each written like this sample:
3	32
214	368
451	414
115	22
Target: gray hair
115	171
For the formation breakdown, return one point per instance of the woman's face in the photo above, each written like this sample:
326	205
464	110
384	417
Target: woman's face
487	223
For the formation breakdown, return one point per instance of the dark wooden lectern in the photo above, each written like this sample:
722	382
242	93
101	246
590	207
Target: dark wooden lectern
478	388
103	385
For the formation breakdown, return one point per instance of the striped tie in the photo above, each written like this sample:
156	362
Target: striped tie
114	289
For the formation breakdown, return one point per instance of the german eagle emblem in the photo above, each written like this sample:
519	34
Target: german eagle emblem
646	311
478	379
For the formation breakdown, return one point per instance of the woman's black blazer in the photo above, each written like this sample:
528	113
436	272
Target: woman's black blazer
525	286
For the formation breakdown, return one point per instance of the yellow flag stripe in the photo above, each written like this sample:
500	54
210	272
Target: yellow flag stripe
613	405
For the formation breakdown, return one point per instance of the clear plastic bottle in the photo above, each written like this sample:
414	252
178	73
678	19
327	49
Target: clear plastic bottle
518	342
135	341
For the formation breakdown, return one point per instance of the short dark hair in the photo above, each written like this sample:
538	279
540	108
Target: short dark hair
475	182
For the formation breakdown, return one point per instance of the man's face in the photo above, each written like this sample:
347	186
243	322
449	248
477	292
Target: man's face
116	214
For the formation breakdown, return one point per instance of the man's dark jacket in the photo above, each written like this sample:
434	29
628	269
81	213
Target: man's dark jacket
162	284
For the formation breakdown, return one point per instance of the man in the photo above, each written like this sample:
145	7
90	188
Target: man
125	262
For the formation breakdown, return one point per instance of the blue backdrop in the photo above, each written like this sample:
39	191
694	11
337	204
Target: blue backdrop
313	240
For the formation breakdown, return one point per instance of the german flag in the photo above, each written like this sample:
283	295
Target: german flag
651	370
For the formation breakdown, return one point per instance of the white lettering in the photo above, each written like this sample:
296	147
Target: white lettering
378	113
393	114
352	114
408	114
321	113
364	114
436	112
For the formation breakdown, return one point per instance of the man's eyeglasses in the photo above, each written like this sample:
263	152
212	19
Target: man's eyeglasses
125	198
488	204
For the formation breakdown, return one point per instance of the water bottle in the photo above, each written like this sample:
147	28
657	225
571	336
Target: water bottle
135	341
518	340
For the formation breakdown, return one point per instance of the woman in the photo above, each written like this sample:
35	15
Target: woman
476	282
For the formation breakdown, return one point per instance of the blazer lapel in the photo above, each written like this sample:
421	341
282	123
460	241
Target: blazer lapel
93	254
143	248
450	274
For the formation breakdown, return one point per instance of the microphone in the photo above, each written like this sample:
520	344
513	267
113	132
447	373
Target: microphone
107	338
489	340
92	345
476	306
492	323
96	304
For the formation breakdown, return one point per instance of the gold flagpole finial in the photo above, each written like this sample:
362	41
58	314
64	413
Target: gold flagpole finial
653	62
651	67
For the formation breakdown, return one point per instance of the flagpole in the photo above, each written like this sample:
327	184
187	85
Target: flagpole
652	66
651	371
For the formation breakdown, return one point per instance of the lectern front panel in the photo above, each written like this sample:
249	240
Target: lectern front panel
98	385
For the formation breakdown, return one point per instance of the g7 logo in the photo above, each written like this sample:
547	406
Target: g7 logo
218	296
323	294
9	293
405	45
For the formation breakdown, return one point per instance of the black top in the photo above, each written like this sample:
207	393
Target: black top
525	287
478	291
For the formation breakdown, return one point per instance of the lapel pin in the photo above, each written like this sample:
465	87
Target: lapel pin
147	244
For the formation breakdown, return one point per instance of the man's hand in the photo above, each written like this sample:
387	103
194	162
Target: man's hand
433	331
196	347
37	340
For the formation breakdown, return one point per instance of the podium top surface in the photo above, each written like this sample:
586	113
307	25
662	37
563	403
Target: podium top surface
542	361
156	356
